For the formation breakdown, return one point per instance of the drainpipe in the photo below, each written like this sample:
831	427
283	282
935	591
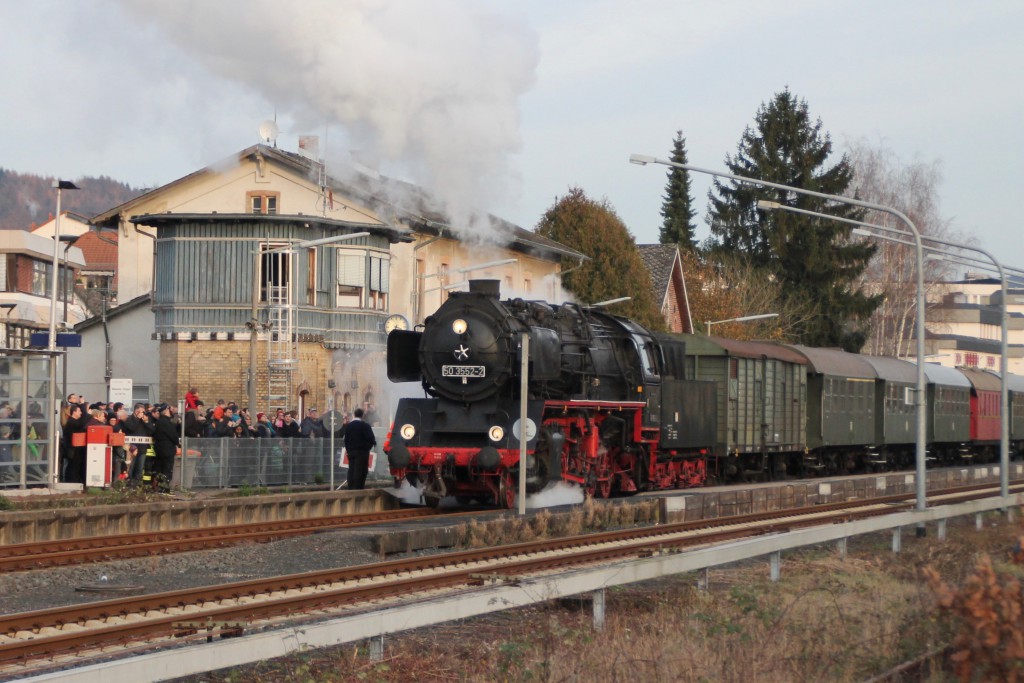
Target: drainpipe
416	294
108	370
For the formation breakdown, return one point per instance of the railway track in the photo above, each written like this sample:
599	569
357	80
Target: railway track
91	549
48	554
52	637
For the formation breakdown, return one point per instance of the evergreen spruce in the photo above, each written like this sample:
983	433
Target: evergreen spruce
677	208
813	259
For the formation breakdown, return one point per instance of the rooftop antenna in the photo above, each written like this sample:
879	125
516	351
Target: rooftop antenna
269	131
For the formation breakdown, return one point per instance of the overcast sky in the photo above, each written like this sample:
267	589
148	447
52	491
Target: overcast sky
505	105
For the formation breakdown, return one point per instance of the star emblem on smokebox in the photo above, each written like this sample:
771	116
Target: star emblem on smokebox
461	353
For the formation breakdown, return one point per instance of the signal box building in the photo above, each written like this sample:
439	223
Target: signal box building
246	309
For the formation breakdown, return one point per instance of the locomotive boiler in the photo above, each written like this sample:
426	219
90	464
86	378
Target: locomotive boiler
601	409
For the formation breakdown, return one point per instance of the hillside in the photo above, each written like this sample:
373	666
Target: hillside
27	199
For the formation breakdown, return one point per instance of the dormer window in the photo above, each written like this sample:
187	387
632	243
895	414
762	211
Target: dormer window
265	203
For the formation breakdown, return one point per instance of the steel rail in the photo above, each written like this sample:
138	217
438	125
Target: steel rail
632	543
25	556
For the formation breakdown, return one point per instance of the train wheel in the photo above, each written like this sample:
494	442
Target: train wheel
507	489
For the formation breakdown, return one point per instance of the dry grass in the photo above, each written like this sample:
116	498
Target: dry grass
827	619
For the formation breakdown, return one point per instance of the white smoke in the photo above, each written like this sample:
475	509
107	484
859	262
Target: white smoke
559	493
430	88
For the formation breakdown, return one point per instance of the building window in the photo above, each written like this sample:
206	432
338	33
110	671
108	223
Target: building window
363	279
351	278
379	283
275	272
311	276
41	278
17	336
263	202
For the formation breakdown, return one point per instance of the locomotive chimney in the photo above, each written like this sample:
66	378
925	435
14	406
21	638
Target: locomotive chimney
489	288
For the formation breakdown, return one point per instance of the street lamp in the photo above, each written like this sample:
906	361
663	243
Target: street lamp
470	269
922	421
60	186
862	230
1004	410
610	302
54	422
743	319
69	241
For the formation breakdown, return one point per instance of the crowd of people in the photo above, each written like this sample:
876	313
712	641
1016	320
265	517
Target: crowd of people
162	423
150	461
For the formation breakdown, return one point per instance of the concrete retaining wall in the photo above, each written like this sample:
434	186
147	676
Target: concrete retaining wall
46	525
709	504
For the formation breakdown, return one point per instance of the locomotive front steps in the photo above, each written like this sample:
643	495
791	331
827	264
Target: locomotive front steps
79	522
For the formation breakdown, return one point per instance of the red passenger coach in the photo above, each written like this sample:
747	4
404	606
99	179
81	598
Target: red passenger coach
985	405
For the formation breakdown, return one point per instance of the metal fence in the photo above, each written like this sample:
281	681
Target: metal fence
232	463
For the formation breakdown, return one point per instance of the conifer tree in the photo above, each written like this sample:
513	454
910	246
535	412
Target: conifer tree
814	259
615	268
677	207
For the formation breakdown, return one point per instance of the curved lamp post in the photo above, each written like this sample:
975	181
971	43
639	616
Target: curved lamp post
922	421
1004	409
55	401
862	229
742	319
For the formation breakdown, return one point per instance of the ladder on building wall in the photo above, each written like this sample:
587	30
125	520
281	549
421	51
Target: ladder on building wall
282	349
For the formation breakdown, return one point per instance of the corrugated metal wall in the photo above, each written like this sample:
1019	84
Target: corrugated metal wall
204	281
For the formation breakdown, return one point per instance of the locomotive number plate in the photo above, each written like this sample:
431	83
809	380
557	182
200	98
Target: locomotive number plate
462	371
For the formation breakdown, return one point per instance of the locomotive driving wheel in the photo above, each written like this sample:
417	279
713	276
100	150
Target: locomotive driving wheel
508	486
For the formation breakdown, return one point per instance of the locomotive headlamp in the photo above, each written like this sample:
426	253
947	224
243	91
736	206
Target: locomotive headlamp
408	431
459	326
496	433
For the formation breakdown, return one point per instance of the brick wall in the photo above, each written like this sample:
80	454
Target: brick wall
219	369
23	272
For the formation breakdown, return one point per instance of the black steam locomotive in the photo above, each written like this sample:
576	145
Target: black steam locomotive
616	408
602	409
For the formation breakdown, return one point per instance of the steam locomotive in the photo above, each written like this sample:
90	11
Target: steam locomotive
614	407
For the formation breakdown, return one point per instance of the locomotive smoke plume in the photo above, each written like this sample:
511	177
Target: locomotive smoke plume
429	89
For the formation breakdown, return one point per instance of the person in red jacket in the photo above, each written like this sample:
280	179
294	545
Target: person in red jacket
191	399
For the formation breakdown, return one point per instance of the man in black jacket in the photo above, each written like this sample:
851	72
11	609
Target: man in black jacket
359	440
165	443
290	429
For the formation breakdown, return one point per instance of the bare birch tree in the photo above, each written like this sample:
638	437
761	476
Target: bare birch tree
912	188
